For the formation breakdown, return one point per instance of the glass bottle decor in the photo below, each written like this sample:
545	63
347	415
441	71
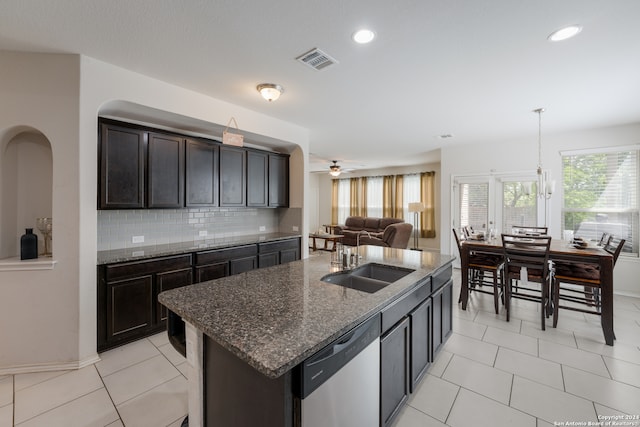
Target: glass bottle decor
28	245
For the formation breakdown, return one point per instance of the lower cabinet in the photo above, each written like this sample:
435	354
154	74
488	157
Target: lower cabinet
128	307
128	294
217	263
394	371
414	328
280	252
442	312
421	356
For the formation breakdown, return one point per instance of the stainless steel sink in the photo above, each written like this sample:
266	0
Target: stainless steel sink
368	278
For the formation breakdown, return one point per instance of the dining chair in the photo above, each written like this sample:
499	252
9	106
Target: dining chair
577	285
480	263
526	261
604	239
529	230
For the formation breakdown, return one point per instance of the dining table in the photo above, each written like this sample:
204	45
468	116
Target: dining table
560	250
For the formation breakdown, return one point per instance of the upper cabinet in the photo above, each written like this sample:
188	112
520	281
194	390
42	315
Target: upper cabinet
141	167
233	176
202	173
165	173
122	167
278	180
257	178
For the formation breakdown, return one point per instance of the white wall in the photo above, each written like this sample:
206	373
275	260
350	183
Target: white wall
52	313
39	309
522	155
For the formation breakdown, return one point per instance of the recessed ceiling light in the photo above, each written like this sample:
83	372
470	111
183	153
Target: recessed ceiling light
564	33
363	36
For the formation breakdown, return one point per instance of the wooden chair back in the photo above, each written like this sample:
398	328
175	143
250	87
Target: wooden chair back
531	252
614	247
529	230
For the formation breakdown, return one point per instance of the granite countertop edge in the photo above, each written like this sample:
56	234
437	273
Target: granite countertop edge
244	313
152	251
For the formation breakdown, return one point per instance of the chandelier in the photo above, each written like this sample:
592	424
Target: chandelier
546	187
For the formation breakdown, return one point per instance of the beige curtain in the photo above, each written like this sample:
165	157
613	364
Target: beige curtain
398	211
334	201
387	196
427	197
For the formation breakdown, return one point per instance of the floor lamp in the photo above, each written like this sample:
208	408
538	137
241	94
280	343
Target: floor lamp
416	208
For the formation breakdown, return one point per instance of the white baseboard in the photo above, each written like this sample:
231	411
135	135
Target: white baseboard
46	367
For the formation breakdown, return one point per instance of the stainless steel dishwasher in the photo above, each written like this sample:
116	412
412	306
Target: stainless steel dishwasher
339	386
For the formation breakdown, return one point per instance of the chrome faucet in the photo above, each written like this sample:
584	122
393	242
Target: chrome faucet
358	256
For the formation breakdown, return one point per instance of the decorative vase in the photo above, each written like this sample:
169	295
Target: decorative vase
28	245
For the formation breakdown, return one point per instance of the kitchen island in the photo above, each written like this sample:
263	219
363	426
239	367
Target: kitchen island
247	333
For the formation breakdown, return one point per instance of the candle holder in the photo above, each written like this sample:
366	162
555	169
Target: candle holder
45	227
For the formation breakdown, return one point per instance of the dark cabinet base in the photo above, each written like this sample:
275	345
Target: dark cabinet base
394	372
128	307
238	395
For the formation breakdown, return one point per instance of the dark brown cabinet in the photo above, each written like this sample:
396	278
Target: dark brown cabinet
128	294
171	280
394	371
165	172
278	180
122	167
141	167
219	263
421	356
280	252
202	172
257	179
442	312
233	173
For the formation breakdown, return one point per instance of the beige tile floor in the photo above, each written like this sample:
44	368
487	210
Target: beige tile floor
490	373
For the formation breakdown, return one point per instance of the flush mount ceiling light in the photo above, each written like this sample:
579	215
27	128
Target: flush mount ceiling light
334	169
363	36
270	91
564	33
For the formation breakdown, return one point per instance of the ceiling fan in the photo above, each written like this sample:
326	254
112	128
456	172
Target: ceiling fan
334	169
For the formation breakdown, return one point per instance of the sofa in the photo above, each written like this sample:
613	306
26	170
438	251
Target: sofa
377	231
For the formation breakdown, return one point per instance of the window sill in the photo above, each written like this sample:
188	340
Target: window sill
16	264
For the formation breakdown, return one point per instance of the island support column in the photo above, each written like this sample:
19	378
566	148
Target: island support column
195	375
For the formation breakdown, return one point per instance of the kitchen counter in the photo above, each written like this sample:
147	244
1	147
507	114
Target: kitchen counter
151	251
276	317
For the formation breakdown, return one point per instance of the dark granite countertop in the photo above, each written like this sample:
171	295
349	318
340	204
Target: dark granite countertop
276	317
145	252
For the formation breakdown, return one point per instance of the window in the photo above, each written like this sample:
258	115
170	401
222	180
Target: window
519	204
374	196
601	195
411	193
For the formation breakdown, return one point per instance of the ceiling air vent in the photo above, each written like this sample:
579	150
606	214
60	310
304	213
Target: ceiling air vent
316	59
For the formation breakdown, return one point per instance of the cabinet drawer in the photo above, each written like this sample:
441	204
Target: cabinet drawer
210	257
278	246
440	278
402	306
144	267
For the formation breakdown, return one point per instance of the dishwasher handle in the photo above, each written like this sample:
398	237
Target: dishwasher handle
321	366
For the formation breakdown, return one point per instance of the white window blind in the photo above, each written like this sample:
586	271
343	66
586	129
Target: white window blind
600	195
410	194
374	196
344	202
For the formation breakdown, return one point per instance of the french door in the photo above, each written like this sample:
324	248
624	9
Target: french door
498	201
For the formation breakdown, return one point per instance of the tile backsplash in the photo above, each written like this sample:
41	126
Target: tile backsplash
117	228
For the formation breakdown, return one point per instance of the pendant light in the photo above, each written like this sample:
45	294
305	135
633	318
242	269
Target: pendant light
546	187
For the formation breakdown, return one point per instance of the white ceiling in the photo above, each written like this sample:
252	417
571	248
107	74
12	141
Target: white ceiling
473	69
